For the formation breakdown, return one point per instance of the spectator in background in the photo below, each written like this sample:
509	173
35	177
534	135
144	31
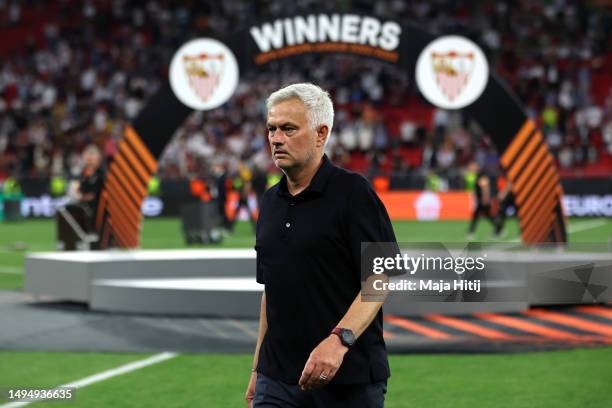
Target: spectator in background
244	184
506	200
89	187
259	182
221	180
80	83
484	195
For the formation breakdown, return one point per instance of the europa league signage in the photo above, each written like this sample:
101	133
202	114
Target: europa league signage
451	72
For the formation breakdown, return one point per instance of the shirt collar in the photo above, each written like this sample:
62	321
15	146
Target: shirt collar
317	184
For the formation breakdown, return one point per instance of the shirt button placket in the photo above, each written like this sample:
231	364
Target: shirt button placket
289	215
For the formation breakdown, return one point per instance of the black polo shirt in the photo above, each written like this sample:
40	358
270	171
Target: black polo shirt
92	183
308	256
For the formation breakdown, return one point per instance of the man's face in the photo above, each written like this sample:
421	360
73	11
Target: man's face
91	159
293	142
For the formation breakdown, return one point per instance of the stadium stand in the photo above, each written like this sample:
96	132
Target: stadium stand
76	72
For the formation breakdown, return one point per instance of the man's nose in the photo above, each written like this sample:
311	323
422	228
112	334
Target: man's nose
276	137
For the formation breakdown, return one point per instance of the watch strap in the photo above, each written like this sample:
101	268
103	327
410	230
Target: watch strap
338	332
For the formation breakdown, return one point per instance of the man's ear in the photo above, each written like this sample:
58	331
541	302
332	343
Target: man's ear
322	135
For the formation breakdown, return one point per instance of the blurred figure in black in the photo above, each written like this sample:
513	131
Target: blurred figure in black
260	183
220	174
89	186
245	188
483	191
506	200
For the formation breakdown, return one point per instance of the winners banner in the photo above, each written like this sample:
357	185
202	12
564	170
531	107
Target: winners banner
451	72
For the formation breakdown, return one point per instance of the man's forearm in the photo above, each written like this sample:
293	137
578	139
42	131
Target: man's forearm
327	357
360	315
263	327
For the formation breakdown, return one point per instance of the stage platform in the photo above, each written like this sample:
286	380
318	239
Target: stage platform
221	282
69	275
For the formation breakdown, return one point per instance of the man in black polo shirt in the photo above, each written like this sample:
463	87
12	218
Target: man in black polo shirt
319	344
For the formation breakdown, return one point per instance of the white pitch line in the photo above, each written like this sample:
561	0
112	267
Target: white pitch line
586	225
105	375
576	227
11	270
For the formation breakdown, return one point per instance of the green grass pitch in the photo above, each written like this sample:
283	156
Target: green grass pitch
576	378
16	239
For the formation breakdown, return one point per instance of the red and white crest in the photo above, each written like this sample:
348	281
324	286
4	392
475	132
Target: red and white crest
204	72
452	70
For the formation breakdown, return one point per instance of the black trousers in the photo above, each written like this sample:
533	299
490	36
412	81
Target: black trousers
85	215
483	209
270	393
500	219
244	202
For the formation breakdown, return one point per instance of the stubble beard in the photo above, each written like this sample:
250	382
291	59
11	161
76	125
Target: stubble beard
296	167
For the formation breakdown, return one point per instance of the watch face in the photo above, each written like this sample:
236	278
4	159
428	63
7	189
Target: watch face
348	338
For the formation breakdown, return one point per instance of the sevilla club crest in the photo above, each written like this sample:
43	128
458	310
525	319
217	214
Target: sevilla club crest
204	72
453	71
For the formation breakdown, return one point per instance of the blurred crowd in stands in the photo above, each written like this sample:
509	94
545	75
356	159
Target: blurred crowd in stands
75	72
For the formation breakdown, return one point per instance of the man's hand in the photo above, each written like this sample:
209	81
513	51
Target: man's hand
325	360
250	391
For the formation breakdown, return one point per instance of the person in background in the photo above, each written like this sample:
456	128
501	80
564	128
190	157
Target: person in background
483	192
89	186
245	188
260	183
506	200
220	174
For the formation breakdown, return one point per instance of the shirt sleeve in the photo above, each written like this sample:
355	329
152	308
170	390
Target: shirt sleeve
367	221
259	273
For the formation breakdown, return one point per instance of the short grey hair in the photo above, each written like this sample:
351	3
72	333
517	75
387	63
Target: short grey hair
319	106
92	148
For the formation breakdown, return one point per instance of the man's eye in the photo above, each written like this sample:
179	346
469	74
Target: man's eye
289	131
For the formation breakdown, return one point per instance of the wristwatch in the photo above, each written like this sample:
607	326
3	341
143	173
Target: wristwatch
347	338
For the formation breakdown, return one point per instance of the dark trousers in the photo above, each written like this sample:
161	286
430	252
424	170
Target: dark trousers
483	209
84	214
244	202
221	201
270	393
500	219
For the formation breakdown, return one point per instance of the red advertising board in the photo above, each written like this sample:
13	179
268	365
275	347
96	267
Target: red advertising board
427	205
